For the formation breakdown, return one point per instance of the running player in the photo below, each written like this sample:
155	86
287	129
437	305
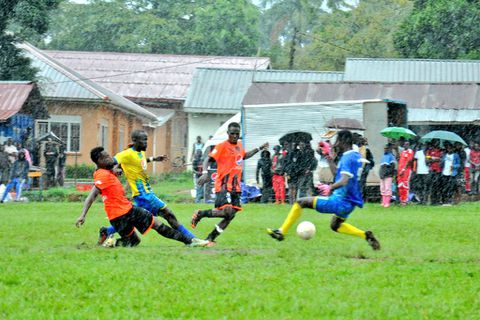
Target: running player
134	164
345	197
122	214
229	156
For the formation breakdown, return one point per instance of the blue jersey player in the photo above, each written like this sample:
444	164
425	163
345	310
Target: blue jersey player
346	195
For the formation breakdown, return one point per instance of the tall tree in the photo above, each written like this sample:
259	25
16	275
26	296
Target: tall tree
442	29
20	19
365	31
218	27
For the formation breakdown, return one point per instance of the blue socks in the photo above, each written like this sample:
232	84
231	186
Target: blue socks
110	230
186	232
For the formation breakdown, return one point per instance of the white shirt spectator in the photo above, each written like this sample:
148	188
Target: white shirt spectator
12	152
447	166
467	159
422	167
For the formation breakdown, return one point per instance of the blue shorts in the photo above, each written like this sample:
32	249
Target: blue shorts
150	202
332	204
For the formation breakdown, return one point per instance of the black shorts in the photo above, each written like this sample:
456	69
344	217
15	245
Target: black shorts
226	198
137	218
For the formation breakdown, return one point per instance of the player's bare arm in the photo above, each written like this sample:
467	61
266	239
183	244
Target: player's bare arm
86	206
251	153
340	183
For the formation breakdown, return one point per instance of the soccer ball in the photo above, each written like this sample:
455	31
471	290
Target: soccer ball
306	230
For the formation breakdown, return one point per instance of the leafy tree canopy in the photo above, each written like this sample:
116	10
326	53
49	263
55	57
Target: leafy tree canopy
20	19
441	29
220	27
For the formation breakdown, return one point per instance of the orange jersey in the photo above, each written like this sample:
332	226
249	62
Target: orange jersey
113	195
229	159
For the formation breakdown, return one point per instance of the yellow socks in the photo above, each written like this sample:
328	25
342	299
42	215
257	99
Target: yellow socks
351	230
293	215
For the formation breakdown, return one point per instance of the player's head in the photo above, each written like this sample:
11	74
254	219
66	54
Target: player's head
139	138
344	141
101	158
233	132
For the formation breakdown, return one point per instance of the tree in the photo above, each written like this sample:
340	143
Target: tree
218	27
20	19
365	31
441	29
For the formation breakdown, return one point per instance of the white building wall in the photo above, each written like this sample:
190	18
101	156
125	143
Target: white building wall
204	125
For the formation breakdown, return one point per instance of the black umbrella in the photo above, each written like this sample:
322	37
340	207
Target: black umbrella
295	137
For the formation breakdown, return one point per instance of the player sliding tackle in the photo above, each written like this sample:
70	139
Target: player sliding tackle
345	197
123	216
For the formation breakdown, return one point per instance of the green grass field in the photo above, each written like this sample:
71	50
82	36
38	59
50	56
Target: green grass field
429	267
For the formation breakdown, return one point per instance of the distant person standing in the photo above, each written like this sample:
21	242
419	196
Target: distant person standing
405	164
450	164
367	166
475	167
387	172
434	155
278	179
309	164
198	145
4	165
11	151
197	167
62	158
421	180
466	169
51	155
18	176
264	166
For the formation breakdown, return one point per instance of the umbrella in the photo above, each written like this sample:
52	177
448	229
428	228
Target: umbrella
443	136
398	132
297	136
345	123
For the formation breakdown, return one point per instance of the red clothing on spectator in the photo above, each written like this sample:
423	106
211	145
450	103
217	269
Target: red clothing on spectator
405	165
435	165
475	157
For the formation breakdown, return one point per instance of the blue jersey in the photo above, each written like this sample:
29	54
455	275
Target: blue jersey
349	164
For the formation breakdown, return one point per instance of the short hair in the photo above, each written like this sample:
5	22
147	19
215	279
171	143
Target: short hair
136	133
233	125
95	154
345	136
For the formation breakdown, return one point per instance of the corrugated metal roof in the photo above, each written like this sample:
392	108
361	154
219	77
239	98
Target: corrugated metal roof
151	76
60	82
416	70
222	90
444	96
13	96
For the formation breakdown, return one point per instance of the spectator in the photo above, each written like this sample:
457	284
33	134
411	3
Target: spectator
466	170
450	164
18	176
197	167
421	177
434	156
198	145
11	151
474	167
366	166
4	165
459	178
264	165
62	157
405	164
387	172
293	170
51	155
278	179
309	164
21	147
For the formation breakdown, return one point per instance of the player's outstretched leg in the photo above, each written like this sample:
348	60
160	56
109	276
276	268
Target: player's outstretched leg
228	214
171	233
293	215
339	225
168	215
200	214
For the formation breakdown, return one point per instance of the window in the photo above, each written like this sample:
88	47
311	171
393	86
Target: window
104	135
67	128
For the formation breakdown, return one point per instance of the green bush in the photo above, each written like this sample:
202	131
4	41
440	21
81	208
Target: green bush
81	171
57	195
